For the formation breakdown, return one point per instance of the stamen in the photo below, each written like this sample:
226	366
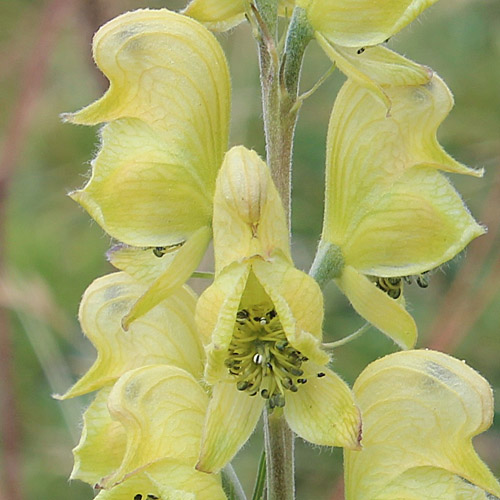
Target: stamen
393	285
261	358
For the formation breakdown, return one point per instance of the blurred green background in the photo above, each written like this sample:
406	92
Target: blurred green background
51	251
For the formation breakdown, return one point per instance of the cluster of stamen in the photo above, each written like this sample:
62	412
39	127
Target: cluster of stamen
261	358
393	286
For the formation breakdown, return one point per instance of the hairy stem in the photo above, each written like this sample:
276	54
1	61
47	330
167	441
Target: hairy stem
279	76
279	442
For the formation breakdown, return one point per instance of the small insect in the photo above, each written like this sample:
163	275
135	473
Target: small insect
360	51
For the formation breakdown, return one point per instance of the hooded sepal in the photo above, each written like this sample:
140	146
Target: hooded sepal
421	410
249	218
162	409
167	334
361	23
168	103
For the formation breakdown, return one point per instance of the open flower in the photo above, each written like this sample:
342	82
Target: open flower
153	180
389	212
421	410
142	433
350	32
262	318
141	438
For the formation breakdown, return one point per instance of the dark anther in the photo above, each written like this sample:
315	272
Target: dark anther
360	51
264	393
242	385
394	281
422	281
394	293
321	374
408	279
294	388
138	497
271	314
281	345
287	382
152	497
159	251
242	316
296	372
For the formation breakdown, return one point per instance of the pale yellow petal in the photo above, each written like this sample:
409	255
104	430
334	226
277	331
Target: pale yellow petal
216	315
231	419
183	264
139	193
217	15
102	444
168	480
222	15
162	409
383	169
420	409
145	264
355	23
416	225
298	301
438	484
167	334
376	68
169	100
383	312
249	218
323	410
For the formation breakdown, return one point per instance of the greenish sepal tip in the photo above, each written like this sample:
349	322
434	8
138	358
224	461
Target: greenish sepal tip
328	263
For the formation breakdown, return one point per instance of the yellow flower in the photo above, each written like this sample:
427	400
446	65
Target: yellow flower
421	410
166	334
142	433
221	15
389	212
141	438
167	114
350	32
263	320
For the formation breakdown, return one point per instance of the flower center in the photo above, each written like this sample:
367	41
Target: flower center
394	286
261	358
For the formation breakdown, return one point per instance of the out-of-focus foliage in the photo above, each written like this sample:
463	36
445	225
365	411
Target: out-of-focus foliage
53	250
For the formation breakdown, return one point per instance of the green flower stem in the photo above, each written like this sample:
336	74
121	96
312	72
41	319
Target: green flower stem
231	484
346	340
279	442
280	76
